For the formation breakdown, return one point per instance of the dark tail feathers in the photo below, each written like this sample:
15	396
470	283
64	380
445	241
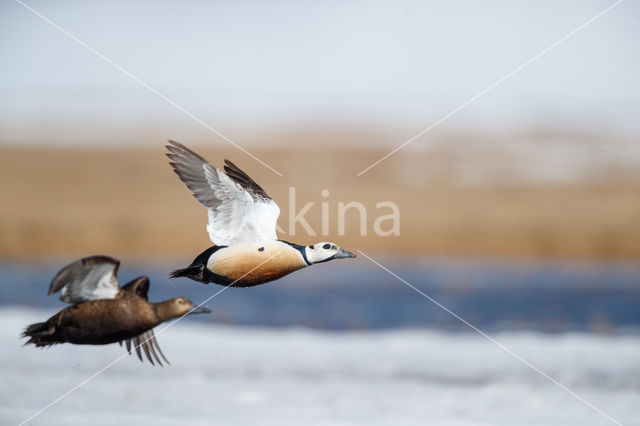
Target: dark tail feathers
198	271
40	334
193	272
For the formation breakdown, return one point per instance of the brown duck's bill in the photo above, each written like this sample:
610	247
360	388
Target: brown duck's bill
199	310
342	253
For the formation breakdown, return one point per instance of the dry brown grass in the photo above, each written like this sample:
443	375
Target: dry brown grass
71	202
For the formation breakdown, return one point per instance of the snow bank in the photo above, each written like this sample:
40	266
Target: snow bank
236	375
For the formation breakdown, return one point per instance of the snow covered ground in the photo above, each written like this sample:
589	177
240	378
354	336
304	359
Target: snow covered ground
240	375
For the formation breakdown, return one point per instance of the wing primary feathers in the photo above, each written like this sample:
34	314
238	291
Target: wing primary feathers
138	286
154	342
100	259
89	278
136	343
149	343
145	347
244	180
179	149
196	173
80	266
239	210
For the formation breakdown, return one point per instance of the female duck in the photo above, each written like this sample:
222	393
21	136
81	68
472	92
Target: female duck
103	312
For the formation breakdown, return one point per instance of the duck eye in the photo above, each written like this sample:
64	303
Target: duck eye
326	246
311	247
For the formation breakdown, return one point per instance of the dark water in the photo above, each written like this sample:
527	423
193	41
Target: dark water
493	295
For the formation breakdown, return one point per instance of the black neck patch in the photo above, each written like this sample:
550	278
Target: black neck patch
203	257
300	248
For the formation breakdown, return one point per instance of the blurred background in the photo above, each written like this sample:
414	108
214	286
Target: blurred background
519	212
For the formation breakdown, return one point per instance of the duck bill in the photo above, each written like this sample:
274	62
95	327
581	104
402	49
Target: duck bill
342	254
199	310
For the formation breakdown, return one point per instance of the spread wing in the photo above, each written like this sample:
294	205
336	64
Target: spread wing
88	278
239	210
147	341
139	286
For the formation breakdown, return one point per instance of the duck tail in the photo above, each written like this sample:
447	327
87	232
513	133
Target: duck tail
198	271
194	272
41	334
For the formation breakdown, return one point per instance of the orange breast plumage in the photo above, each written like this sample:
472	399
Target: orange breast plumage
247	265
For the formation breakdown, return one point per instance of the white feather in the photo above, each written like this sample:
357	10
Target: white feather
87	279
238	218
235	217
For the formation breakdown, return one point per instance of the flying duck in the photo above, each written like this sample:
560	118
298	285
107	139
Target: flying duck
242	225
103	312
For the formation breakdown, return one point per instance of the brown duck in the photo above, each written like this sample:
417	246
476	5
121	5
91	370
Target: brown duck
103	312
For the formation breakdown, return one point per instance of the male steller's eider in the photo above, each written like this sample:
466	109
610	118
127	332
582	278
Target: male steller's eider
103	312
242	225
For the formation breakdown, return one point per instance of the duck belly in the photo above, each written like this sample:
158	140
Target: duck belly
100	322
249	265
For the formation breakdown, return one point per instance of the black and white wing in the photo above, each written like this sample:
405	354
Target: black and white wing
147	340
89	278
240	211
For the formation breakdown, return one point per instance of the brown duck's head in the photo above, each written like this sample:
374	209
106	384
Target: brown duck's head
177	307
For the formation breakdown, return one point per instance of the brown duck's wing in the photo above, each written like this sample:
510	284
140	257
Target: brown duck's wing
138	286
147	341
89	278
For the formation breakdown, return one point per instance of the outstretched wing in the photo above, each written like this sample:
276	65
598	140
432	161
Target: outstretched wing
239	210
147	341
88	278
138	286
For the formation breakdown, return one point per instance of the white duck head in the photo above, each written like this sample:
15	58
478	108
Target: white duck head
325	251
